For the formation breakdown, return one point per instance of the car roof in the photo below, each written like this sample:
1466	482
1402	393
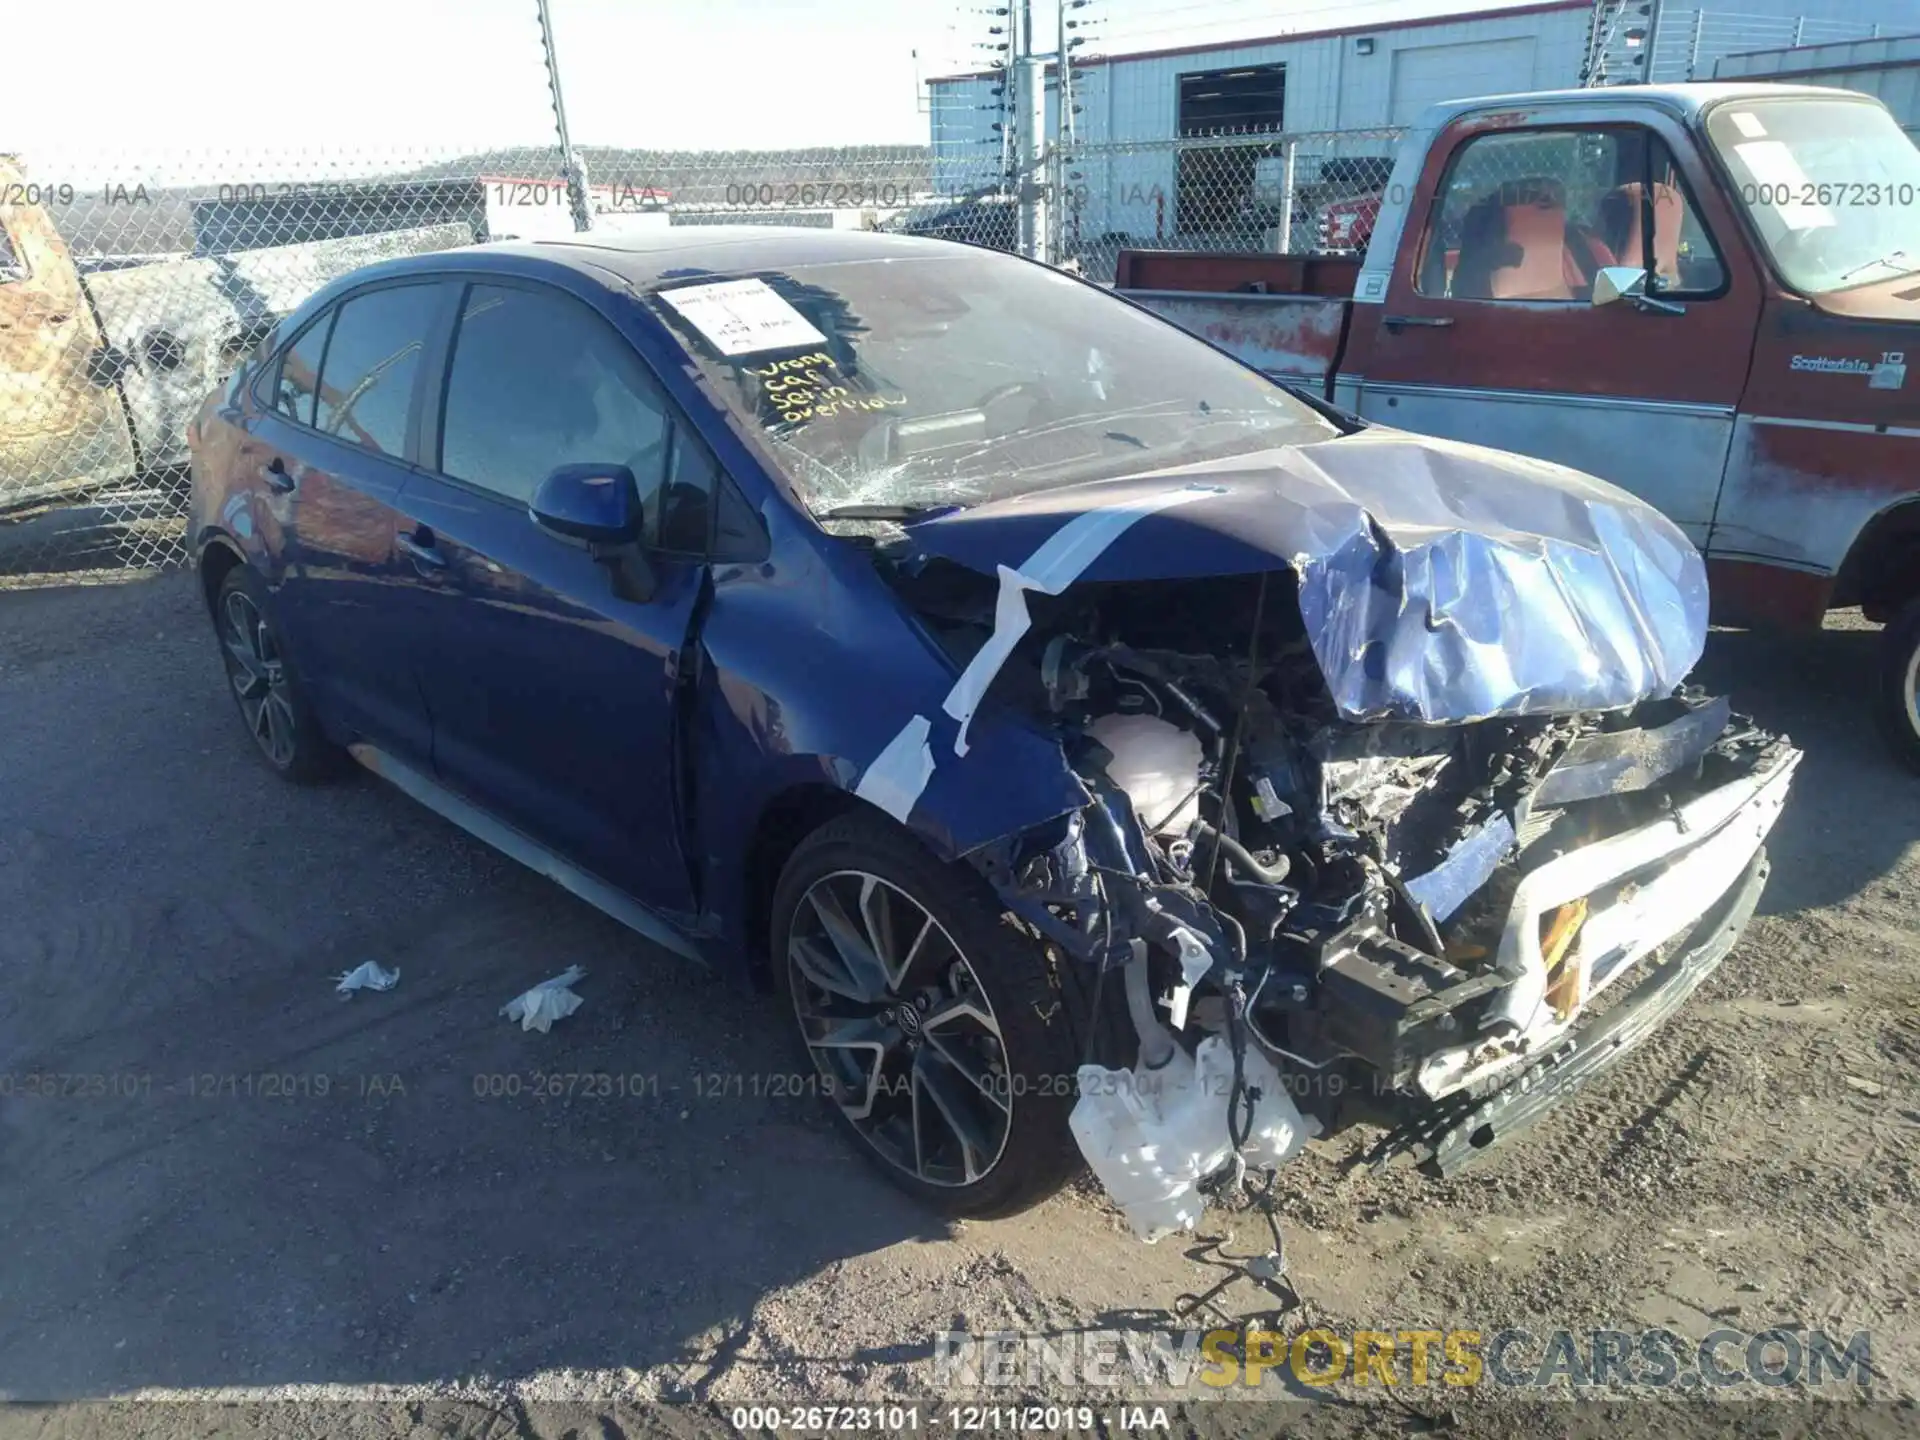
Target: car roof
645	258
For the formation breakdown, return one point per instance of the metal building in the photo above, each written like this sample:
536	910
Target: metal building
1363	76
1888	68
1142	170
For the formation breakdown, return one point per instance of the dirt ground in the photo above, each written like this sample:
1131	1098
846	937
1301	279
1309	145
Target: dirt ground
247	1186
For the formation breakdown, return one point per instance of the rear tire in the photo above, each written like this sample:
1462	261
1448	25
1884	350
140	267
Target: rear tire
273	704
1897	703
964	1102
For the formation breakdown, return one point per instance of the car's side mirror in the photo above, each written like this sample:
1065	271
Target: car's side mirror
1629	282
599	505
1618	282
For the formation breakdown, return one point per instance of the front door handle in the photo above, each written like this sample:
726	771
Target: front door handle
425	554
274	472
1424	322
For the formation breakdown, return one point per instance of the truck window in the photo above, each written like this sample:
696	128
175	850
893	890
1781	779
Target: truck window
1534	215
11	267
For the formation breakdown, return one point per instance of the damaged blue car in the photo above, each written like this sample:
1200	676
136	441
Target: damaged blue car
1109	754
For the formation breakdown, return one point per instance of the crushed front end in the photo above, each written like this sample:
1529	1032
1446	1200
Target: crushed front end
1339	872
1425	927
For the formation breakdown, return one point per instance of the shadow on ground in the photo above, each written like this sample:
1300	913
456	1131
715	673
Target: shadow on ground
1854	810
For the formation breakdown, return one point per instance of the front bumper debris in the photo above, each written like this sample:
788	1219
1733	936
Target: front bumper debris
1460	1130
1640	890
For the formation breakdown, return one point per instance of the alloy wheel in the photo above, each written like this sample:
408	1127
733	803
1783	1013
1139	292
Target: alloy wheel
259	677
900	1029
1911	690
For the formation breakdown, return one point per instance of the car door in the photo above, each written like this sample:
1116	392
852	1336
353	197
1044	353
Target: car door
332	451
551	697
1489	332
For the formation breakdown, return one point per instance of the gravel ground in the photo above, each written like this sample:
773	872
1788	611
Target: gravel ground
249	1187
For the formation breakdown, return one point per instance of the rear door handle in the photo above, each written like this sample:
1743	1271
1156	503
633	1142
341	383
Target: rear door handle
274	472
1424	322
424	552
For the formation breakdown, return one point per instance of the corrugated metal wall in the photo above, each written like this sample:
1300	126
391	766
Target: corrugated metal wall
1332	86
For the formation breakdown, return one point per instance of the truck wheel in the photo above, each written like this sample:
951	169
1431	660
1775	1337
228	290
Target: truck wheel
1898	703
944	1039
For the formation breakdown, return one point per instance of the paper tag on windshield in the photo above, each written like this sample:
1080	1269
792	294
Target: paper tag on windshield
743	317
1783	185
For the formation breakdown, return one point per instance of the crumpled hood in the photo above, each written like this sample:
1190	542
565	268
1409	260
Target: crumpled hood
1438	582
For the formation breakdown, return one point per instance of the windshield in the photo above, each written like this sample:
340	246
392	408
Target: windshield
1833	187
937	379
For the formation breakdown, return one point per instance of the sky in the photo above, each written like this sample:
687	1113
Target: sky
191	90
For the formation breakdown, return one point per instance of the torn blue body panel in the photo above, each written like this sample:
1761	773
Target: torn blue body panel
1439	583
798	696
1468	866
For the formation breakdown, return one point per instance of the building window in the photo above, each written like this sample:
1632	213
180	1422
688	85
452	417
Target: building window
1253	98
1215	185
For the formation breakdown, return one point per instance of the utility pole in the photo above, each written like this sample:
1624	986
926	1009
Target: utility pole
574	169
1652	43
1028	74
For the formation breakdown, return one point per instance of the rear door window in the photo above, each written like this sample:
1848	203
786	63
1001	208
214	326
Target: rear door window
372	360
299	376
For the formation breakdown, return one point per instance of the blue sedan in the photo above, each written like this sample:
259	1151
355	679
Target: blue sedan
1063	717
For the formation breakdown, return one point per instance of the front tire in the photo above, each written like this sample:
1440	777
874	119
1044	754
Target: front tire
946	1039
272	703
1897	703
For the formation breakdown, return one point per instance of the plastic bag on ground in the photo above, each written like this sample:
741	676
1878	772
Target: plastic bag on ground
1151	1136
546	1002
369	976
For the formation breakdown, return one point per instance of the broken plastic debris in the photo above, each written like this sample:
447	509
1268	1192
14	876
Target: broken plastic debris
1151	1136
546	1002
368	977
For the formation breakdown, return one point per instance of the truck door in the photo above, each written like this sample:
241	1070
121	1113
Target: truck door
1489	332
61	425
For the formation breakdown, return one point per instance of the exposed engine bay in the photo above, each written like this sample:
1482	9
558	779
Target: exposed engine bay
1317	921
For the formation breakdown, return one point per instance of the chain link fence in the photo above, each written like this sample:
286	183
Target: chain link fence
1269	192
131	290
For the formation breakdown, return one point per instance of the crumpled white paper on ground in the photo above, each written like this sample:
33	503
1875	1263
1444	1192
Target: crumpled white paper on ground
367	977
546	1002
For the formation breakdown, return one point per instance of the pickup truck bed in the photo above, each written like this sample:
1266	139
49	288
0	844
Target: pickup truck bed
1287	314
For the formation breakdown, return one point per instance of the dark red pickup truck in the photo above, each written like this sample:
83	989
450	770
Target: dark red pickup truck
1706	294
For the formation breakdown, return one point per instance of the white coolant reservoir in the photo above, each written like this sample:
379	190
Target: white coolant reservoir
1151	1136
1157	764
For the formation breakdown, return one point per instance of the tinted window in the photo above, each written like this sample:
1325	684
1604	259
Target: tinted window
366	384
1534	215
299	370
686	501
539	381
